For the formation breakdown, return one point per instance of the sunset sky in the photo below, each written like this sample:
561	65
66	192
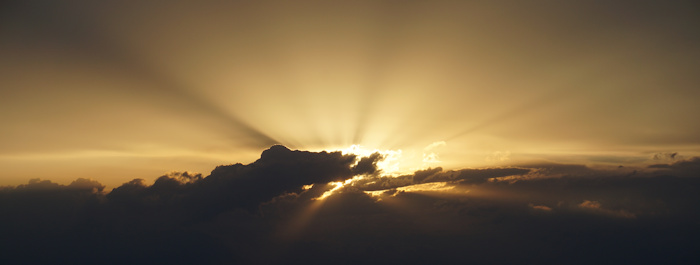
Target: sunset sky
114	90
453	95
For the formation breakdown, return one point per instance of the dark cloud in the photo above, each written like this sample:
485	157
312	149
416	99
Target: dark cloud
268	212
136	217
686	168
464	176
278	171
476	176
665	156
368	165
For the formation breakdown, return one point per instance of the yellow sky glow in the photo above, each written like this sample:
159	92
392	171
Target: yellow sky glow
436	83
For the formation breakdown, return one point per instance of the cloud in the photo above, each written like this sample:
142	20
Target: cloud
368	165
666	156
498	156
476	176
434	145
685	168
596	207
541	207
278	171
590	204
464	176
265	213
429	154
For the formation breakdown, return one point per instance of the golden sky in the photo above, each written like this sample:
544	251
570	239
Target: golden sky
116	91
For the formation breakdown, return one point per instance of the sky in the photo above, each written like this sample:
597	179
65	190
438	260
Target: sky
237	128
139	89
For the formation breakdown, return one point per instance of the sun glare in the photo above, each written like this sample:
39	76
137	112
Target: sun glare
389	165
432	186
393	164
338	185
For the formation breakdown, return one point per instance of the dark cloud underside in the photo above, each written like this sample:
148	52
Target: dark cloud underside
259	213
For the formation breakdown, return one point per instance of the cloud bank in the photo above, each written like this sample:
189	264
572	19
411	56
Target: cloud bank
269	212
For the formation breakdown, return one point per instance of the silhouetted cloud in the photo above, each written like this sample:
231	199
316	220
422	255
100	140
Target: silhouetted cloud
277	172
666	156
268	212
464	176
686	168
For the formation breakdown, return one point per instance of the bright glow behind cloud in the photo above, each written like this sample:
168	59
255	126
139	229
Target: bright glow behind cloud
234	79
391	163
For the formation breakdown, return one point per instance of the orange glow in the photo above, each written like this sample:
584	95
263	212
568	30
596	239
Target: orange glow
429	85
442	187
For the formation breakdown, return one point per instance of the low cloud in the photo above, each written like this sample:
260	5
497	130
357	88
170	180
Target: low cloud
666	157
685	168
540	207
596	207
267	212
464	176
